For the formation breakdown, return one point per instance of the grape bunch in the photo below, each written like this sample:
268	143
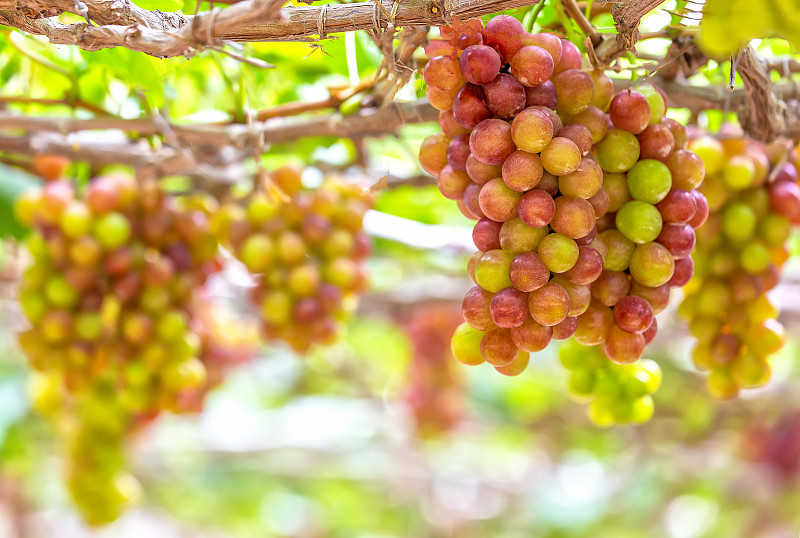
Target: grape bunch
729	25
585	219
648	231
754	201
519	118
617	393
109	297
434	390
306	252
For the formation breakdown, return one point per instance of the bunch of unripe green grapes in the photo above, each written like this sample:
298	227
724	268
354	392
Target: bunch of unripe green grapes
569	235
306	248
729	25
109	298
616	393
754	200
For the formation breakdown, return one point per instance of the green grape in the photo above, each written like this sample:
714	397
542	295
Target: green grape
639	221
649	181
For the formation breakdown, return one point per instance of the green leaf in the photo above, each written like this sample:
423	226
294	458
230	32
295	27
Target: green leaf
14	182
161	5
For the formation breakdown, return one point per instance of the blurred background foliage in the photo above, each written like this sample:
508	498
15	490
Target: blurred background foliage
383	435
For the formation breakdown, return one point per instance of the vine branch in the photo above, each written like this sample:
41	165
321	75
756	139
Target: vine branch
169	34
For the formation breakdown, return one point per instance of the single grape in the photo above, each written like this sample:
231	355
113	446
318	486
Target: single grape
579	295
442	99
623	347
657	100
516	236
522	171
656	142
492	270
593	119
579	134
257	253
497	201
506	35
480	172
687	169
616	184
442	73
684	270
677	207
594	324
573	217
548	184
678	132
610	287
649	181
516	367
486	234
498	348
587	268
491	141
112	230
532	65
629	111
471	200
532	130
531	336
575	90
565	329
528	272
754	257
711	152
509	308
559	253
549	304
784	199
76	220
583	182
701	210
458	152
452	182
479	64
650	333
466	345
542	95
618	151
549	42
633	314
639	221
469	107
570	57
652	265
678	238
505	96
561	156
600	202
536	208
449	125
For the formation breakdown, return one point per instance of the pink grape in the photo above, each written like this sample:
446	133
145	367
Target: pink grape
480	64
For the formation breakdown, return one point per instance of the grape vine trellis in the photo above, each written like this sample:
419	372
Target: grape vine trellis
765	110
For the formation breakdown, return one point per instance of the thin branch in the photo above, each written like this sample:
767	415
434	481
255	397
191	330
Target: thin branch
574	12
71	103
371	122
